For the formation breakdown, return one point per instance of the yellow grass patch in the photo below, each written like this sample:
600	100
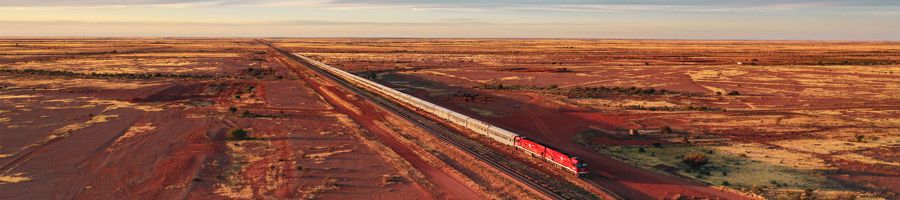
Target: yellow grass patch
780	157
17	96
68	129
133	131
865	159
60	83
69	107
236	186
15	178
78	126
116	104
323	155
825	146
185	55
509	78
739	171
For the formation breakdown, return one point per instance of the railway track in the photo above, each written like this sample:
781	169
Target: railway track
539	181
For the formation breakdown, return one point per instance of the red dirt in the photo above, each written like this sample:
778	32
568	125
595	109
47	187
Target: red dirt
450	186
182	152
789	90
622	178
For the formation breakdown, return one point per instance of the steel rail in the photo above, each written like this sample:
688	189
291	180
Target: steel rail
538	181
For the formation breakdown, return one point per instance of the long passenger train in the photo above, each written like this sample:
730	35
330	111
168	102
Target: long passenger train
535	149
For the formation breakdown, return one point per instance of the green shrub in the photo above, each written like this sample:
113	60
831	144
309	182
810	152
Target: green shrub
695	160
239	134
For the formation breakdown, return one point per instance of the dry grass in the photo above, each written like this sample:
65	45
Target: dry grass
132	131
61	83
832	145
15	178
235	184
327	184
740	165
322	156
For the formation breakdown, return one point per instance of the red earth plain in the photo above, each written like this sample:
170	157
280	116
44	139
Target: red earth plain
209	118
772	119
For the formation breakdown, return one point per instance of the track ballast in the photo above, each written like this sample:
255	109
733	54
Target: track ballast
539	181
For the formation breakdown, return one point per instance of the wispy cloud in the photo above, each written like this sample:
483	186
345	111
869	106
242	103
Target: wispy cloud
479	5
593	6
762	19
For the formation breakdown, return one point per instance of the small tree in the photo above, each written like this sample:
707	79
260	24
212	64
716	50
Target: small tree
232	109
695	160
239	134
734	93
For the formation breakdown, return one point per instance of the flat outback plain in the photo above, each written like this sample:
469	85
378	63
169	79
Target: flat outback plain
212	118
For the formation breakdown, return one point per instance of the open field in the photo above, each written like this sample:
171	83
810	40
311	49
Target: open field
774	118
153	118
230	118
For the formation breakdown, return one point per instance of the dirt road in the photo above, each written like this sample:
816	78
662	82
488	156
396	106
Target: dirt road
366	115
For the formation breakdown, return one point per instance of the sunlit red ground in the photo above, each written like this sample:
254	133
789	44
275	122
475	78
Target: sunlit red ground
827	110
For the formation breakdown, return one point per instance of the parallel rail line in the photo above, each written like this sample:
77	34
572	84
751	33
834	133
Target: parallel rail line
539	181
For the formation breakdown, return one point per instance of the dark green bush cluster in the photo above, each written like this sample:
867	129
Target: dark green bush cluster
597	92
672	108
248	114
695	160
104	75
562	70
239	134
259	73
589	92
500	86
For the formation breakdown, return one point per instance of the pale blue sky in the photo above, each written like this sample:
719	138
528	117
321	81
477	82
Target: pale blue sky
654	19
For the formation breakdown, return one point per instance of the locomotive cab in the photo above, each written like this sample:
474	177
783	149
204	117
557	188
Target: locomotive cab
580	168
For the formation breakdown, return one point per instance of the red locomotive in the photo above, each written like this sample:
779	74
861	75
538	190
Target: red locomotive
558	158
498	134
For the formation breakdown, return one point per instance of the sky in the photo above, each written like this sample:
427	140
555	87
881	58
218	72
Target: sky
615	19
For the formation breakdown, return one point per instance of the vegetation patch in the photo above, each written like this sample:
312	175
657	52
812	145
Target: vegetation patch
672	108
707	164
591	92
239	134
259	73
94	75
600	92
15	178
248	114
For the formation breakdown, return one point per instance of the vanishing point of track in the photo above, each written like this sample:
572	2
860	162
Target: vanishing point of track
539	181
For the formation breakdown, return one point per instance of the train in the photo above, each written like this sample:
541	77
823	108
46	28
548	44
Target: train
522	144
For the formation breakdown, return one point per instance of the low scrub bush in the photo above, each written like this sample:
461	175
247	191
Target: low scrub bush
239	134
695	160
